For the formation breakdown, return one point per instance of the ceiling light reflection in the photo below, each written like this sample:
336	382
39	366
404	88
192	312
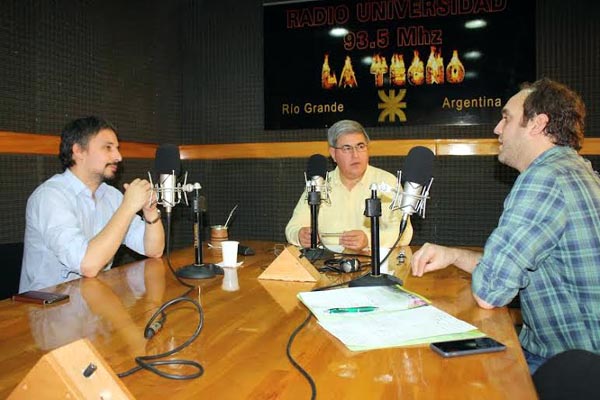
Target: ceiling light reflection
338	32
476	24
472	55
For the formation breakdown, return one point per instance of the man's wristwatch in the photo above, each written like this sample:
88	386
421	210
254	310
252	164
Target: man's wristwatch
154	220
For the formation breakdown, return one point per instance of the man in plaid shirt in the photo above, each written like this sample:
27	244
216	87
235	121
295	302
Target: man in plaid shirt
547	244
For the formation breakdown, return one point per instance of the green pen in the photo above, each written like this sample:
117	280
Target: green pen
351	309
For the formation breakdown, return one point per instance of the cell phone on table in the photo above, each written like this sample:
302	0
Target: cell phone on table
38	297
465	347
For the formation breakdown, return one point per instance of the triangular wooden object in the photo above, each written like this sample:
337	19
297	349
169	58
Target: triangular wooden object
289	266
60	374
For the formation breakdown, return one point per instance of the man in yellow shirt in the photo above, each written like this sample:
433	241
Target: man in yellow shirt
350	181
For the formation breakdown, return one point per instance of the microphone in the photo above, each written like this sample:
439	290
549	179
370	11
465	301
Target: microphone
316	184
167	164
316	176
413	186
316	171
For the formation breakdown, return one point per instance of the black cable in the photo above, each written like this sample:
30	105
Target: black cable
311	382
142	361
306	375
391	249
153	326
168	246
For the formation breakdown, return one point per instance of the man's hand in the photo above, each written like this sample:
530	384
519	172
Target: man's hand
151	204
354	240
431	257
304	236
150	208
137	195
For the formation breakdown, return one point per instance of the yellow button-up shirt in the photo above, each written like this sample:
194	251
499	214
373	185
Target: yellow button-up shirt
346	211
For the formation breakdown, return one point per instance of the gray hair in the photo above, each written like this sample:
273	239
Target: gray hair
343	127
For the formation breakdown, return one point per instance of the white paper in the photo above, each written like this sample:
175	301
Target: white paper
401	318
396	328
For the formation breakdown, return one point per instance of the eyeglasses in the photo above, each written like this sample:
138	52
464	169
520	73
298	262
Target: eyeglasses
347	149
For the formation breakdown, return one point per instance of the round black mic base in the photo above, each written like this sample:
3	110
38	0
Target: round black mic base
201	271
375	280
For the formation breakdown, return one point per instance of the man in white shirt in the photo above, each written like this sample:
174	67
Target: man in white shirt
75	222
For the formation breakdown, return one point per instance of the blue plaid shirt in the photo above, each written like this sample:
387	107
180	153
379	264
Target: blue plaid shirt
547	246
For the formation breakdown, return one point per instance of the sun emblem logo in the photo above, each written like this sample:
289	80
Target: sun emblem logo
391	105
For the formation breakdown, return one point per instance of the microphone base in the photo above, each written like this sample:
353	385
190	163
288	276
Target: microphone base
200	271
313	255
375	280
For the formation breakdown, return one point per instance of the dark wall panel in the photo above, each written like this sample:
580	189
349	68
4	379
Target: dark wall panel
66	59
17	185
265	190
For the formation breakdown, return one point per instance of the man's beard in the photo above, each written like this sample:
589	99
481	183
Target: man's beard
110	176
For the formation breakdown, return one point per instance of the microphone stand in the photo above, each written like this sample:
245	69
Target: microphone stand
198	270
314	253
314	200
375	278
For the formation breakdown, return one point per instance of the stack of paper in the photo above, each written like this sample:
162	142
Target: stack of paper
398	317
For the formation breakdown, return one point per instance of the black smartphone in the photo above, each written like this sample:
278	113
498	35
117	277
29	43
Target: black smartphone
39	297
467	346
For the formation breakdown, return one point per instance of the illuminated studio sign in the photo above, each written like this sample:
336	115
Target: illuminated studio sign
395	62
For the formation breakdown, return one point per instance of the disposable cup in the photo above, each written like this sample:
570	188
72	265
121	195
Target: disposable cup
229	249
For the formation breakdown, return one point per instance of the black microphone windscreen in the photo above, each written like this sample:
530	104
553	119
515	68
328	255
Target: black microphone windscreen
167	159
316	166
418	166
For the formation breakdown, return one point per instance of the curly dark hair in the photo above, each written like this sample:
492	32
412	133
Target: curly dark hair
564	108
79	132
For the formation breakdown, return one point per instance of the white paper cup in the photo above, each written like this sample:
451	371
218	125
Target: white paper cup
230	250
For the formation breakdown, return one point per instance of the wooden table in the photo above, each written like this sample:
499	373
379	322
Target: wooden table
243	343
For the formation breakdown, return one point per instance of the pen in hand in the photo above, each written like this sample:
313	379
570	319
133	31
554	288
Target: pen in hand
341	310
